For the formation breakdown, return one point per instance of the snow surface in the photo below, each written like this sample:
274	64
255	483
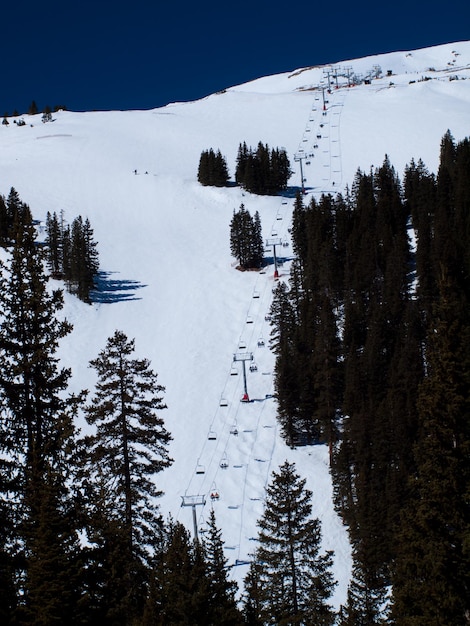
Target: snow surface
170	281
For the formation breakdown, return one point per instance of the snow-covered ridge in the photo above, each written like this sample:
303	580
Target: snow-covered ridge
451	58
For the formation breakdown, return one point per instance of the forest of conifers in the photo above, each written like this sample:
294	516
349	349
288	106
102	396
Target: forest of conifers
372	356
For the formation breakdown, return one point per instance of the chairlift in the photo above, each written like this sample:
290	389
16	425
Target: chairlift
214	492
278	217
212	436
200	469
233	371
261	342
224	462
234	429
242	345
253	367
255	294
249	320
223	402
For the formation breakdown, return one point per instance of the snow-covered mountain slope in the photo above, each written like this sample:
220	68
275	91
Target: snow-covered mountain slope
163	241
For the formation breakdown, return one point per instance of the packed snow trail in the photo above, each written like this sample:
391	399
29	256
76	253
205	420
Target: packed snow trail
234	464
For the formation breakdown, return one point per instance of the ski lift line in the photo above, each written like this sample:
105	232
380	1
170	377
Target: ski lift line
237	405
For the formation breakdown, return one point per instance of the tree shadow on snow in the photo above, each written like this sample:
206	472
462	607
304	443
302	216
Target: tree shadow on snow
108	290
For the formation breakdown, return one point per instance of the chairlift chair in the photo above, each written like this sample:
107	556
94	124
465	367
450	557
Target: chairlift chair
200	469
223	402
212	436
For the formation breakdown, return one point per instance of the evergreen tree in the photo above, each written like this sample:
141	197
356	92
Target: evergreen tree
130	444
81	269
246	243
257	246
4	222
431	580
36	436
33	109
222	607
365	599
293	580
54	245
262	171
181	592
212	169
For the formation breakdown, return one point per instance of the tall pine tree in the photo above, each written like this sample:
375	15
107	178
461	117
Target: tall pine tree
290	577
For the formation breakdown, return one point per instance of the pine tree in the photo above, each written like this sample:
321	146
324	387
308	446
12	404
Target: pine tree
181	589
257	246
130	443
294	580
212	169
36	436
431	579
262	171
222	608
246	243
53	245
4	222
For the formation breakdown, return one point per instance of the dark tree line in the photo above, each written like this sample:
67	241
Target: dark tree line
72	253
212	169
246	240
13	211
261	171
370	340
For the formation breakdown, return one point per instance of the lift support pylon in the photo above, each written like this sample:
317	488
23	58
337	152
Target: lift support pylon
243	357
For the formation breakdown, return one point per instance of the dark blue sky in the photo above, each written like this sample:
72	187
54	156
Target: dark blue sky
143	54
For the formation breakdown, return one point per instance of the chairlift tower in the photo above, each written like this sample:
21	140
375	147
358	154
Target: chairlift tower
298	157
193	501
243	357
274	242
323	94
